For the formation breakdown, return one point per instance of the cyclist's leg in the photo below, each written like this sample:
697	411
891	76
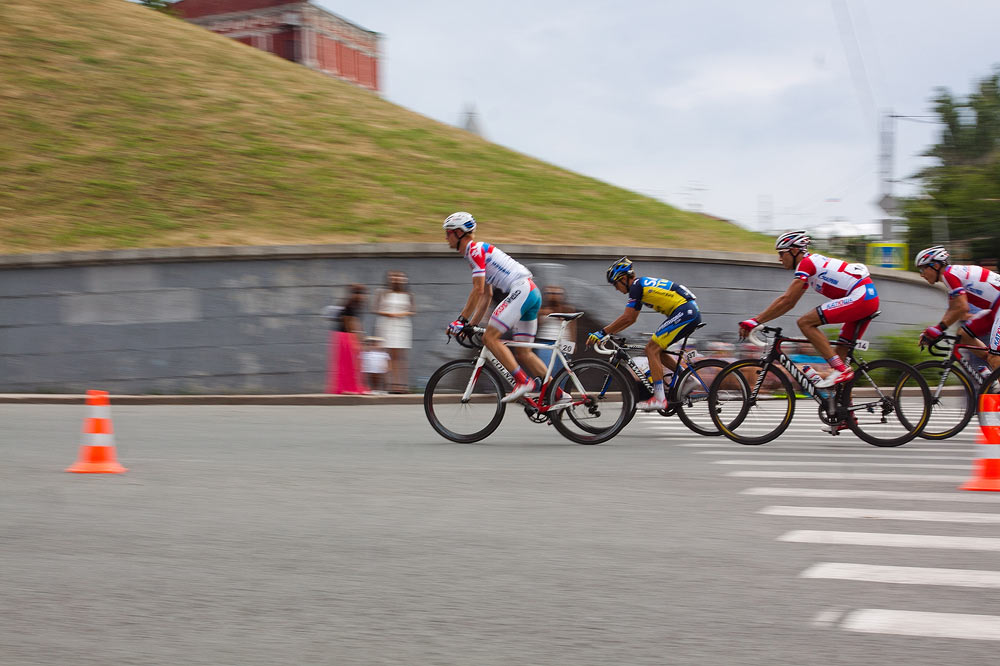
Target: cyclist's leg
849	311
502	321
524	329
982	332
681	322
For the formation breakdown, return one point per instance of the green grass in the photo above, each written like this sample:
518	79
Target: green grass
122	127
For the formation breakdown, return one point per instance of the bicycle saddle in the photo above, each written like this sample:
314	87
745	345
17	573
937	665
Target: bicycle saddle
566	316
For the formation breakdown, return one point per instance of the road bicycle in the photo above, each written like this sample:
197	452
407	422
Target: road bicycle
463	398
687	390
955	386
887	403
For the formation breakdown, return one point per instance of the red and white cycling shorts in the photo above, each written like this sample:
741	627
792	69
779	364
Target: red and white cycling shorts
986	327
860	303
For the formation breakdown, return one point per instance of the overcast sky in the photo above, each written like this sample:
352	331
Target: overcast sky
752	111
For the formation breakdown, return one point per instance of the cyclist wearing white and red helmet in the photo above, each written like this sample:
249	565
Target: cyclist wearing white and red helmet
973	299
848	285
517	313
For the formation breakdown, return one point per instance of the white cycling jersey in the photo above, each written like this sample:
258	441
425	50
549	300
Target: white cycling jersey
500	270
980	286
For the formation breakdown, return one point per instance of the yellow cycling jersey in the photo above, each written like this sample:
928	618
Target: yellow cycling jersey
664	296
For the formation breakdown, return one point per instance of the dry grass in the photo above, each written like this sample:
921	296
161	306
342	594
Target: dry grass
122	127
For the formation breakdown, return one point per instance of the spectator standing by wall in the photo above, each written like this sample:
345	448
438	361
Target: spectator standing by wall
548	328
394	307
344	373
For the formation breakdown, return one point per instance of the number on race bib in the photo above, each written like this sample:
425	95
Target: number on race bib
567	347
690	355
861	345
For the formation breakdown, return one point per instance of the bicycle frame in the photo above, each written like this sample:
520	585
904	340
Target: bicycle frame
684	356
557	354
824	398
954	356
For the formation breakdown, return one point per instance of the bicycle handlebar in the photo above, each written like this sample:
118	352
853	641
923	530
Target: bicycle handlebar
755	339
470	337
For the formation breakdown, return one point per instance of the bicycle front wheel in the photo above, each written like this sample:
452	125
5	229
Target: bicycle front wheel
452	415
887	403
691	394
602	401
953	399
745	413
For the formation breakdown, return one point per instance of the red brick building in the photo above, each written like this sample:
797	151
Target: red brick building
298	31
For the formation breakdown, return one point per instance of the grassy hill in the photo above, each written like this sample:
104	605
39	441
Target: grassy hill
123	127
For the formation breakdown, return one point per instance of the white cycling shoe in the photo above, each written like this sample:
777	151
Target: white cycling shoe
518	391
652	405
836	377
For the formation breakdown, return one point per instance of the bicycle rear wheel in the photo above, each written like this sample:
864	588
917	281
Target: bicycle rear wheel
601	410
464	421
746	417
691	393
953	399
887	403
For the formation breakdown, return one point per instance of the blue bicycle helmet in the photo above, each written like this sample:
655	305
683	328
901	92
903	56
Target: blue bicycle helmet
619	269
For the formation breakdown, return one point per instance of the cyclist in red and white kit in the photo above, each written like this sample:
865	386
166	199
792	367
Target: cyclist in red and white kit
849	286
973	299
517	313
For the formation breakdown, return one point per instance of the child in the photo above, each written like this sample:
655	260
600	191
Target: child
375	363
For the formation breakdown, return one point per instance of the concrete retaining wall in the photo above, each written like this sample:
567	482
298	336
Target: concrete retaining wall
246	319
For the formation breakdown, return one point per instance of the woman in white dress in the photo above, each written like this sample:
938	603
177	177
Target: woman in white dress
394	307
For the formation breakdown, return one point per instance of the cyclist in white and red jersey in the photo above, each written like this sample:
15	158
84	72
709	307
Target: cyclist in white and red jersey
973	299
517	313
849	286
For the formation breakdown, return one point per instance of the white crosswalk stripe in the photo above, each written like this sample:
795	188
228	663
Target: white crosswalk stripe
827	463
875	573
837	493
922	623
891	540
835	454
882	514
848	476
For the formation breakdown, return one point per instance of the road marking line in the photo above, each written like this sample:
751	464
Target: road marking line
837	454
871	494
888	540
920	623
876	573
849	476
824	463
882	514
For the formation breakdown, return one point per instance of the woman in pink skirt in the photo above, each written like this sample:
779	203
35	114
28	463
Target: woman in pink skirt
344	374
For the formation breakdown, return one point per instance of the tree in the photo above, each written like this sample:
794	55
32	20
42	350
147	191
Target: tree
962	191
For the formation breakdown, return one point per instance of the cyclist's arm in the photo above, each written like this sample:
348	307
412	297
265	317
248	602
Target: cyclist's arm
958	310
624	321
783	303
479	300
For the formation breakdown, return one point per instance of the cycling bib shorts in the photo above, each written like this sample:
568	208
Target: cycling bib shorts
679	324
860	303
986	327
519	311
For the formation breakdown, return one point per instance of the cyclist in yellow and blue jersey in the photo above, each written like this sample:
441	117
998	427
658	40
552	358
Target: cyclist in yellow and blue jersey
667	297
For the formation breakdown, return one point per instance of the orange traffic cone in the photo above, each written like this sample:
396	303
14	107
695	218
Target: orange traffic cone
986	475
97	453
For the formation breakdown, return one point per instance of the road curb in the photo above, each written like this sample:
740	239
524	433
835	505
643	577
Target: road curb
289	399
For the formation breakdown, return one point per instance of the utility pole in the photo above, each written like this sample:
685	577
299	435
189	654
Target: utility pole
886	201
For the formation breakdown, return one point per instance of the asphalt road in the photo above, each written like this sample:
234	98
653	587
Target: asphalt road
355	535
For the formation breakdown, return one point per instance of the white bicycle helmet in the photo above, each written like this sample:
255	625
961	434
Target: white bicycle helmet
793	239
460	220
930	255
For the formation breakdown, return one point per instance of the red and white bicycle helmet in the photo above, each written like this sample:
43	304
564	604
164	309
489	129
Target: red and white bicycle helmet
929	255
792	239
